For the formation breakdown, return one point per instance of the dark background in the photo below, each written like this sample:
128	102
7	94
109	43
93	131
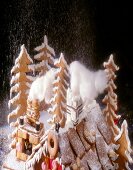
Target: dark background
83	30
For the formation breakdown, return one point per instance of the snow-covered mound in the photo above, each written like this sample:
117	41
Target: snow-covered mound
41	88
86	83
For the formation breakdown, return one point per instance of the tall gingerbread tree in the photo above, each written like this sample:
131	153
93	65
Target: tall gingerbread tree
110	99
120	135
60	90
20	83
44	57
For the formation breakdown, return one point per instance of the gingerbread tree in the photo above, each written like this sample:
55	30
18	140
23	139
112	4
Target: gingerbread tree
120	136
111	98
59	90
44	57
20	84
124	151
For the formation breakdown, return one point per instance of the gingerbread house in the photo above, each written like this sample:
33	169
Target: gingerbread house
91	143
28	132
81	136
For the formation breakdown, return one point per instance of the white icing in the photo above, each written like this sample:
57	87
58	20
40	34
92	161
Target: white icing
128	155
14	89
43	64
45	44
41	88
124	130
31	68
57	80
31	78
50	57
51	110
15	67
38	56
66	73
23	50
14	78
14	112
111	61
66	83
28	84
60	60
12	101
126	165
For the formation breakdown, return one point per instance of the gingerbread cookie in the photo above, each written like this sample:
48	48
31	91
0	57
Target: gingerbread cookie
93	161
52	144
67	155
80	131
76	142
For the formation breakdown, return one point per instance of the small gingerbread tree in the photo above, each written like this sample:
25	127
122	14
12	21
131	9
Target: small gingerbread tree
44	57
20	83
111	98
124	151
59	90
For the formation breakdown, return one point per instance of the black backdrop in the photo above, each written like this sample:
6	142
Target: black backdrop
85	30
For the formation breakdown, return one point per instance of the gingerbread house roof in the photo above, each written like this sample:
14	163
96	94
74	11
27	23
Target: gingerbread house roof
88	145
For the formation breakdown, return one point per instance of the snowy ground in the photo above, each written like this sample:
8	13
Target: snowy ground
12	163
4	131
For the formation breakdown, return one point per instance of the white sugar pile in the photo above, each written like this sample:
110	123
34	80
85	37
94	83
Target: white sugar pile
41	88
85	83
